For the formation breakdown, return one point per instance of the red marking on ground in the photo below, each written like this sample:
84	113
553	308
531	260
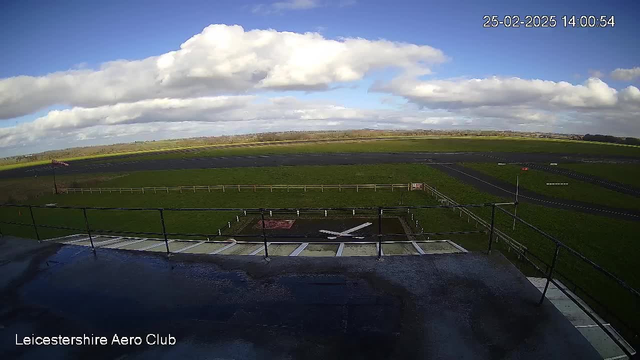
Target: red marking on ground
525	168
275	224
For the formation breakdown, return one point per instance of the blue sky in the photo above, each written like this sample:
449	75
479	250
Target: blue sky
41	37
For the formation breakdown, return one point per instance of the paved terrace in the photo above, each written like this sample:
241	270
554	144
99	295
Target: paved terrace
445	306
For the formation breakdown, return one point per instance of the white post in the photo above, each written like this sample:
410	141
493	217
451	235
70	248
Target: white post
219	232
237	218
229	224
325	213
270	213
298	212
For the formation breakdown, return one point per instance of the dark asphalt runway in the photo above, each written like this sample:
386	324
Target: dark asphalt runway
98	166
491	185
464	306
443	161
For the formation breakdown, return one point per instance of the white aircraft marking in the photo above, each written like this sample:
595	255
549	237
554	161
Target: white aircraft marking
347	232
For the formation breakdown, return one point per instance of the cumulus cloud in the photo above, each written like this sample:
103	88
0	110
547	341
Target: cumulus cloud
220	60
496	91
176	118
218	82
626	74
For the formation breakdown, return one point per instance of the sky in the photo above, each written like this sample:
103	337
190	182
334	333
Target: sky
78	73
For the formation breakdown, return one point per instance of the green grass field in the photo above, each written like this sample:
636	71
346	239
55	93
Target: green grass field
433	144
393	144
623	173
536	180
606	241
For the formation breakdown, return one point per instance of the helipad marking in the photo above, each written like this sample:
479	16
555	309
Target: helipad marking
347	232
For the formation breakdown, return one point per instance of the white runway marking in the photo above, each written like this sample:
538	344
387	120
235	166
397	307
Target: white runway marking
346	233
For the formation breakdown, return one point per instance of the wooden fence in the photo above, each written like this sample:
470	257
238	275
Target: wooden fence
240	188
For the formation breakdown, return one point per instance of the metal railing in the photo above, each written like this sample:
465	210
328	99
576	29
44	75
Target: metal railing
380	212
550	269
242	187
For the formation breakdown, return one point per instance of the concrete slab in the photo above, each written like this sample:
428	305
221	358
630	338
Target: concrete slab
241	249
173	247
437	247
360	250
606	347
583	322
140	245
320	250
279	249
206	248
399	249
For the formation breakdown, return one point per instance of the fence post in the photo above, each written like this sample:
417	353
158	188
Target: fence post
553	265
86	223
264	235
164	230
493	216
379	233
33	220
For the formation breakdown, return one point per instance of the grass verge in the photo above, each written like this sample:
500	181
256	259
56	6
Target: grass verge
536	180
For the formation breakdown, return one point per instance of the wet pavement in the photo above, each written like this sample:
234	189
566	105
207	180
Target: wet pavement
230	307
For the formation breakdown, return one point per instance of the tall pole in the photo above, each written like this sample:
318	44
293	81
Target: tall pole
493	217
55	186
33	221
86	223
379	233
264	236
164	230
515	210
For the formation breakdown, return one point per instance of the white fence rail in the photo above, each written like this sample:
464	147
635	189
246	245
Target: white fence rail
240	188
499	235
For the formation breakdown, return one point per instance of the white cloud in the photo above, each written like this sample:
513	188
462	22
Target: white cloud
596	74
176	118
496	91
215	83
626	74
220	60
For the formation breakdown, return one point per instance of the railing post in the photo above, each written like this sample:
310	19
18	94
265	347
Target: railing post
164	230
379	232
86	223
553	265
493	216
33	220
264	235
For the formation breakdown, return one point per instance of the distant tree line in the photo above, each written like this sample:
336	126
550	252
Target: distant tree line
612	139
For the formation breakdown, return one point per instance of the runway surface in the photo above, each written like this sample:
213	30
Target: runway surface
445	161
100	166
491	185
